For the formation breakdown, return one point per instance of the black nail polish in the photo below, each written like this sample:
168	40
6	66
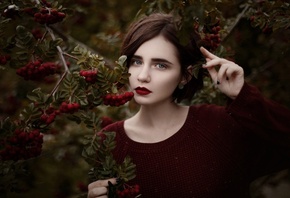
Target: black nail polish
118	180
217	82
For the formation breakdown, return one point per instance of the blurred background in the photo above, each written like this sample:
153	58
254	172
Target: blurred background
255	34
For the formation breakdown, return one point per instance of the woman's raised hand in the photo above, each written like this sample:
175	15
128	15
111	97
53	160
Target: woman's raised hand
99	189
228	76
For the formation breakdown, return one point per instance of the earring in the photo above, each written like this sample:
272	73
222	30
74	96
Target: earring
181	86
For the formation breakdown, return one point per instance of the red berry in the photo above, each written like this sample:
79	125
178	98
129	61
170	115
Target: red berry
3	60
105	121
89	75
61	15
117	100
22	145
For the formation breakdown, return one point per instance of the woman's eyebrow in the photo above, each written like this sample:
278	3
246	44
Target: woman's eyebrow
137	57
162	60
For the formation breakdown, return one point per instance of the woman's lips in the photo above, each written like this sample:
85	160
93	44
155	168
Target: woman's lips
142	91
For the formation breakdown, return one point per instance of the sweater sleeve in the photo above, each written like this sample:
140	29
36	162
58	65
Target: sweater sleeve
269	123
263	117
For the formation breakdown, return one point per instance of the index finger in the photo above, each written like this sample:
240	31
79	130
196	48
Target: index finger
207	54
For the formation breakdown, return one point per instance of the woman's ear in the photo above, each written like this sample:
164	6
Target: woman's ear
186	78
190	71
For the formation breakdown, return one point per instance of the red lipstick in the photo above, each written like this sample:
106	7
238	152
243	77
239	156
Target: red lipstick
142	91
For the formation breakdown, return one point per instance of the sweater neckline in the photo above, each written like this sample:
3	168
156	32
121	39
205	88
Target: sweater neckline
174	139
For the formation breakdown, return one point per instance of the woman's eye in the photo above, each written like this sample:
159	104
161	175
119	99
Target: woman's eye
161	66
136	62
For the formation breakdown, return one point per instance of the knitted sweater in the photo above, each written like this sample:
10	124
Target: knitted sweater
216	153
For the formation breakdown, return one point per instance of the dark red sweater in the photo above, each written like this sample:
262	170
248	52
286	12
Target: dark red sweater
216	153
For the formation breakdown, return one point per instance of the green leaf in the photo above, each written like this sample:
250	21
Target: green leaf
24	39
109	162
122	60
31	112
37	96
90	151
60	95
87	139
74	118
6	125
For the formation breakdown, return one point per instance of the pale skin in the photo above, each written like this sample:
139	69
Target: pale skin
229	78
229	75
155	67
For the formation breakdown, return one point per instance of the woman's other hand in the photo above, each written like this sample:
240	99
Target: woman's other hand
99	189
228	76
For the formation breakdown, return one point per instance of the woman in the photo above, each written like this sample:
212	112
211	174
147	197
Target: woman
201	151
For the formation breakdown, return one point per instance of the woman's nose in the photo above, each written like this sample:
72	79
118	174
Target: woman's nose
144	75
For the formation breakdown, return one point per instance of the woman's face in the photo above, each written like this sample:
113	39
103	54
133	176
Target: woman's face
155	72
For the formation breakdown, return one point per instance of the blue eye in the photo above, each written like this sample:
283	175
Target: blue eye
161	66
136	62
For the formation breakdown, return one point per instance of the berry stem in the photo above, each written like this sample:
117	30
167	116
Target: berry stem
70	56
57	84
43	36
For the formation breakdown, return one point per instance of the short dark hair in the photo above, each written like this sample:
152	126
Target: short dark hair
166	25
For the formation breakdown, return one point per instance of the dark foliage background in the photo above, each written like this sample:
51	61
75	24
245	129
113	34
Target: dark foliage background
255	34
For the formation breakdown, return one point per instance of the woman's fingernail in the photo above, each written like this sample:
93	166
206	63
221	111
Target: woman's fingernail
217	82
118	180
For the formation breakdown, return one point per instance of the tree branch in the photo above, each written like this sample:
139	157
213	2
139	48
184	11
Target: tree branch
238	18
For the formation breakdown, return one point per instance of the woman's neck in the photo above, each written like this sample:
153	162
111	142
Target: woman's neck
159	114
156	123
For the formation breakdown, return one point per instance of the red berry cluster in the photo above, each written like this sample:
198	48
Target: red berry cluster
69	107
212	36
22	145
266	29
49	115
37	70
48	16
130	192
4	59
89	75
117	99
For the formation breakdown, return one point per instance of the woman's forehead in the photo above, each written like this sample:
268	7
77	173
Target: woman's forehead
158	48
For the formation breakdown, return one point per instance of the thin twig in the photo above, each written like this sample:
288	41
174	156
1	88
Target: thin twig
238	18
60	52
58	83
